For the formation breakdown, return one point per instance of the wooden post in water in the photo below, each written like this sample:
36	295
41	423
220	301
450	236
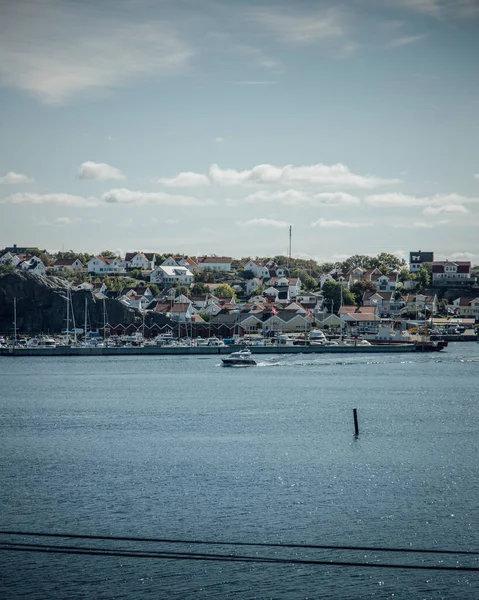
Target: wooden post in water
356	425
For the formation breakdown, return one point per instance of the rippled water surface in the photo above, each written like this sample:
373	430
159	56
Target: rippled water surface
170	447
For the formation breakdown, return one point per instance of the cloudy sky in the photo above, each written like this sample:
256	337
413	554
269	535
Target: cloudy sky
210	127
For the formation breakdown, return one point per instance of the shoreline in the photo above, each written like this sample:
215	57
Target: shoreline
203	351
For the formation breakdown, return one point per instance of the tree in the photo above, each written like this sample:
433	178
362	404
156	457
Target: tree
225	291
423	278
358	260
387	262
248	274
200	289
404	275
360	287
331	291
107	254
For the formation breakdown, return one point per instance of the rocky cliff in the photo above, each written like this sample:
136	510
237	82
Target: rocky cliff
42	305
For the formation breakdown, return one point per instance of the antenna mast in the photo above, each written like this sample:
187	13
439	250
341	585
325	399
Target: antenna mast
289	252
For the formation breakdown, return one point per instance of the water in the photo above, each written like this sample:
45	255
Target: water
182	448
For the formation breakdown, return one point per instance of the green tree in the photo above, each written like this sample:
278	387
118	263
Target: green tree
360	287
331	291
404	275
225	291
423	278
387	262
200	289
358	260
107	254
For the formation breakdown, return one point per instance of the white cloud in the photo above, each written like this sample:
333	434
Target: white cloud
185	179
428	225
446	208
309	175
297	197
55	50
125	196
54	199
219	139
395	199
406	40
476	176
302	29
264	223
336	198
325	223
441	8
66	221
98	171
13	178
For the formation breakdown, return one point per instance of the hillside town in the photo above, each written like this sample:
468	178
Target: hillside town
224	296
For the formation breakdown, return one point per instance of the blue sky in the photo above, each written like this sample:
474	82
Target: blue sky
211	127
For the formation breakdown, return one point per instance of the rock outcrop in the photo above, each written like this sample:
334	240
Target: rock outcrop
42	305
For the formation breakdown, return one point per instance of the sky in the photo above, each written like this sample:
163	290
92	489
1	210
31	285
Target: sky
211	127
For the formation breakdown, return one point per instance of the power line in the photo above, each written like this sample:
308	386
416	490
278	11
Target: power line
251	544
222	558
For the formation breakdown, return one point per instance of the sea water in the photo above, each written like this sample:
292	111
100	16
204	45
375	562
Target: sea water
173	447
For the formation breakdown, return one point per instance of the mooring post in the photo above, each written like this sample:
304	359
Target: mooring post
356	425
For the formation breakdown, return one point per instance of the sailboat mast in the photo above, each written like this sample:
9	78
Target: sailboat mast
85	326
14	323
68	312
104	321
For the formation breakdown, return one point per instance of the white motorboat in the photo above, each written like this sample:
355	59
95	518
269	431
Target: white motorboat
242	358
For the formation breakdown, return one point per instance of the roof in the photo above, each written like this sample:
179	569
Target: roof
175	271
64	262
180	307
384	295
361	317
291	280
214	259
163	307
347	310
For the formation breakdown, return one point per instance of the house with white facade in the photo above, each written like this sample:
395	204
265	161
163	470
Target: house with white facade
252	285
385	302
288	287
214	263
451	272
169	262
102	265
466	307
259	269
68	264
385	283
167	275
140	260
33	265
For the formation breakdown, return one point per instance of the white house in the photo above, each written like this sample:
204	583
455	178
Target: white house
33	265
214	263
102	265
451	272
172	275
257	268
288	287
252	285
68	264
182	311
385	283
140	260
169	262
466	307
